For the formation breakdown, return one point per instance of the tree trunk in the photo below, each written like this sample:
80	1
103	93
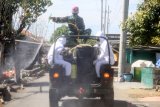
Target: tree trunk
6	35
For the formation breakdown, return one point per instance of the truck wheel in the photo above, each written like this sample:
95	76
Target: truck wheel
108	99
53	98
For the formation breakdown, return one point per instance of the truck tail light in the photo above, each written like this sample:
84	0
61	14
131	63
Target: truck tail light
56	75
106	75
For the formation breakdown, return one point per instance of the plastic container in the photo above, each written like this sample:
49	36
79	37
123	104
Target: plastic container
137	74
148	77
74	71
127	77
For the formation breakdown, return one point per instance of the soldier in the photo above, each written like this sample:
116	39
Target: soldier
75	22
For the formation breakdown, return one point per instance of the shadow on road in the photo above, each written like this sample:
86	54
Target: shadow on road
95	103
38	84
24	97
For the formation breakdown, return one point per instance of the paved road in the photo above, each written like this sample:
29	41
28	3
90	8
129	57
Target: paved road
36	95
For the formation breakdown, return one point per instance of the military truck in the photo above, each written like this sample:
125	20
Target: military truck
83	80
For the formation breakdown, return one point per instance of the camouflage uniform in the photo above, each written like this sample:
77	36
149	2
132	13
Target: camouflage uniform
75	23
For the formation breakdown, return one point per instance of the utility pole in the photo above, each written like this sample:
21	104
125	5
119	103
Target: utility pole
101	15
108	20
54	27
105	13
122	48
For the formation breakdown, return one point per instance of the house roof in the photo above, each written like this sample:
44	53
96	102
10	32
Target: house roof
147	48
31	37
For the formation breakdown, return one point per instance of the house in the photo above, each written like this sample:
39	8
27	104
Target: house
143	53
133	54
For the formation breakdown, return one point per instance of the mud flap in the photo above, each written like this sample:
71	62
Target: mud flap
53	98
108	98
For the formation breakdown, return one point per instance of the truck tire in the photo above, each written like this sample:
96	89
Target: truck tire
53	98
108	99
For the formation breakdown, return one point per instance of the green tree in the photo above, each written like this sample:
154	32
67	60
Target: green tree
30	10
63	30
144	25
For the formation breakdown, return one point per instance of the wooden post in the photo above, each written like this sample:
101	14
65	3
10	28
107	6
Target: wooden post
1	56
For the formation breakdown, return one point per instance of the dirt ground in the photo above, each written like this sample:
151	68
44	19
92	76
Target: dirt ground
141	93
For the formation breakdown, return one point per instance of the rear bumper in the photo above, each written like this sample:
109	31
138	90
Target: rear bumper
91	90
101	90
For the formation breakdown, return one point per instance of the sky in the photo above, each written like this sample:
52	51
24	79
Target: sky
90	10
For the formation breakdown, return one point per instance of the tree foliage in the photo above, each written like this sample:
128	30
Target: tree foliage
144	25
31	10
63	30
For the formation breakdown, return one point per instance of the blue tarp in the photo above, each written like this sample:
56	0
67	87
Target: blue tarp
158	63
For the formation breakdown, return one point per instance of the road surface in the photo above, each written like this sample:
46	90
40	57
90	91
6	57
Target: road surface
36	95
